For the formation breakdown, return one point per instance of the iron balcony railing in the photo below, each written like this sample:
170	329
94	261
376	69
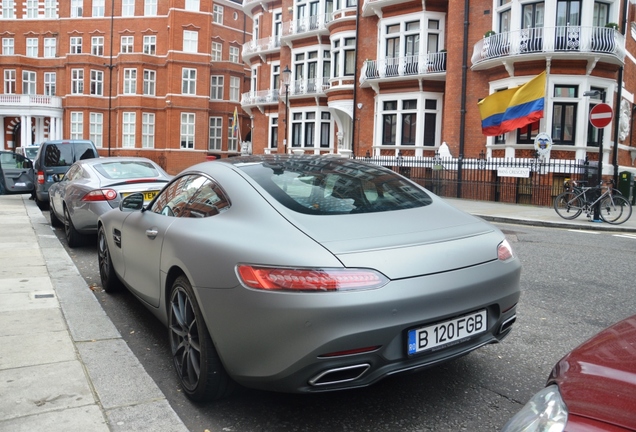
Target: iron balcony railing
258	46
388	67
315	23
262	97
21	100
562	39
308	86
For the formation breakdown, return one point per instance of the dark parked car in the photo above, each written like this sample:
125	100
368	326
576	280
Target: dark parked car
308	273
91	187
592	389
17	174
56	157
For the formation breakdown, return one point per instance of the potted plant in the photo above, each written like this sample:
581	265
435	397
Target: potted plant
612	25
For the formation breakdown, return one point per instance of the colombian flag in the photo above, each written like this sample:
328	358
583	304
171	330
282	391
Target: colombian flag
511	109
235	125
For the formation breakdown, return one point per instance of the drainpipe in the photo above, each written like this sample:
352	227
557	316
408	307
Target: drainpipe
462	118
355	84
619	96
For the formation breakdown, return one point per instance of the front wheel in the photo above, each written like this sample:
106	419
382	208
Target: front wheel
568	205
198	366
615	209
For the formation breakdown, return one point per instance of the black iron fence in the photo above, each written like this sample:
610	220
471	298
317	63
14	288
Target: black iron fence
524	181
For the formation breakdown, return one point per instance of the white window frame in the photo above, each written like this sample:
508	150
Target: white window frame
8	46
97	83
75	45
216	87
150	44
127	45
235	56
150	7
77	125
99	8
50	8
147	130
301	117
97	45
77	81
29	82
128	8
217	51
273	125
10	81
32	47
190	41
130	81
50	47
77	8
192	5
8	9
187	129
188	81
217	14
232	141
235	89
215	141
150	82
128	122
50	83
31	9
96	128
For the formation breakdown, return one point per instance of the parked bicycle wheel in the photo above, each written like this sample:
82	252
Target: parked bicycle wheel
615	209
568	205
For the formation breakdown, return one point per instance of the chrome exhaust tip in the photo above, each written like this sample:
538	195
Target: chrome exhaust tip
339	375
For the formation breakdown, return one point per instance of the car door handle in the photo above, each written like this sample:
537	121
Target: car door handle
152	233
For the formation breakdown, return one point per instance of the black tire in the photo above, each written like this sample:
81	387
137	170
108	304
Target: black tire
42	205
615	210
110	280
196	361
54	219
73	237
568	205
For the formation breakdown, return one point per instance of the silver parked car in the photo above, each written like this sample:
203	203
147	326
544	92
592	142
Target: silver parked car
308	273
91	187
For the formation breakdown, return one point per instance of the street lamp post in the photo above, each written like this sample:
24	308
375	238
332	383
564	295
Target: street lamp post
286	80
599	172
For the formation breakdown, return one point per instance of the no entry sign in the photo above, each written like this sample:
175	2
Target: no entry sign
601	115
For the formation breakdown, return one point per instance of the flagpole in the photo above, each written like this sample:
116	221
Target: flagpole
547	94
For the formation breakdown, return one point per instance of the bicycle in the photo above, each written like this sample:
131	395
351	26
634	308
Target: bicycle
577	198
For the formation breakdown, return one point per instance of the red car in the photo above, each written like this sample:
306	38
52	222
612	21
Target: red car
593	388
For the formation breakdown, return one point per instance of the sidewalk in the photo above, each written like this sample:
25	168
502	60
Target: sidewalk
63	364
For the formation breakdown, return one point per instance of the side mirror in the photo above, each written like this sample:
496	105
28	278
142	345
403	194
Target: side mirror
57	177
132	202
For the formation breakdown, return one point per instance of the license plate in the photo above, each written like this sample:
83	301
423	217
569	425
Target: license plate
148	195
447	332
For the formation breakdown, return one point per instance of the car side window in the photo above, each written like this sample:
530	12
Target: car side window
172	201
209	200
73	173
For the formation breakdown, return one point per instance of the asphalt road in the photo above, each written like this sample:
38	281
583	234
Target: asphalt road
574	284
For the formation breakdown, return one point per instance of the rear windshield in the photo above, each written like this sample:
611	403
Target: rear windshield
326	187
31	152
65	154
127	170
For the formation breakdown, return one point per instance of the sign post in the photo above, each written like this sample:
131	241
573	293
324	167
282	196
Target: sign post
600	116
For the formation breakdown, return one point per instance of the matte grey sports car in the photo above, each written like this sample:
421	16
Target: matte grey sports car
308	273
91	187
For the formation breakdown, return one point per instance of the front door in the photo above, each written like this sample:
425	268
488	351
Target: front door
17	173
568	25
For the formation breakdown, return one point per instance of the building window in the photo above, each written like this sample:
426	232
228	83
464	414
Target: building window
97	45
129	120
147	130
190	41
235	89
76	8
130	81
32	8
77	81
409	121
217	51
50	8
503	16
311	128
187	130
32	47
28	82
96	125
50	47
234	54
97	83
8	9
217	14
343	51
150	78
275	77
128	8
216	87
564	114
150	45
150	7
8	46
188	81
232	138
127	43
273	132
77	125
49	83
216	133
98	8
192	5
76	45
526	134
593	133
9	81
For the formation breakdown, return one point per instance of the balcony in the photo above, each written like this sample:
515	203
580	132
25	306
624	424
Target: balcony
260	47
565	42
431	66
306	27
374	7
259	99
25	103
309	87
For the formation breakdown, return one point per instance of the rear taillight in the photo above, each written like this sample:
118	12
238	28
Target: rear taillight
100	195
504	251
40	177
309	279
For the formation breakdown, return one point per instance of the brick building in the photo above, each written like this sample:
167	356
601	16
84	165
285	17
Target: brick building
154	78
384	77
